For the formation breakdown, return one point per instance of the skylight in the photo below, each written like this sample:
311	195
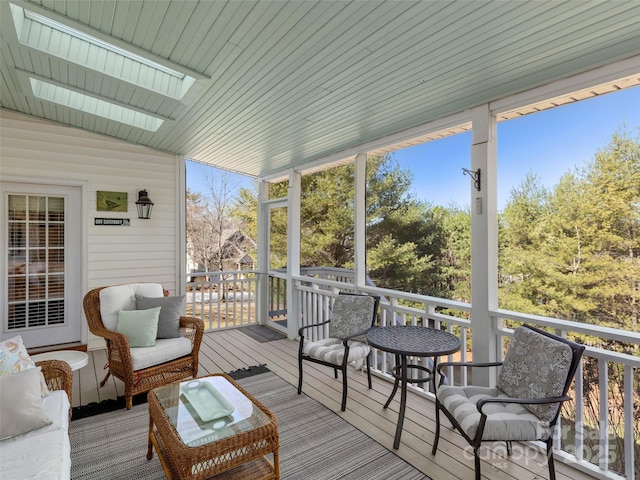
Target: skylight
95	106
99	43
47	35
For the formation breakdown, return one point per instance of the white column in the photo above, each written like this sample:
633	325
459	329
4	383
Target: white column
181	216
262	281
293	251
484	242
360	220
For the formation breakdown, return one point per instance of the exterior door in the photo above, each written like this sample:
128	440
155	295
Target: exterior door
41	263
278	312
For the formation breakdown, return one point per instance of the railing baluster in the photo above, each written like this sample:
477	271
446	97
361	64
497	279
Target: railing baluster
579	413
629	444
603	385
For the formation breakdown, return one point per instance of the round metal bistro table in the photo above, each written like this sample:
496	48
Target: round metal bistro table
411	341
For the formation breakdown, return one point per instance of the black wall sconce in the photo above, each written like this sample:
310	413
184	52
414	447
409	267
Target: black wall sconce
475	175
144	205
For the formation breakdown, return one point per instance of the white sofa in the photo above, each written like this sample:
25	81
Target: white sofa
44	453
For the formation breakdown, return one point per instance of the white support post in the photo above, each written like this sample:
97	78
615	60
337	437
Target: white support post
360	220
262	280
181	234
293	251
484	241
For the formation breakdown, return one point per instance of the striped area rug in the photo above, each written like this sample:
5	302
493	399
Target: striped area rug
315	443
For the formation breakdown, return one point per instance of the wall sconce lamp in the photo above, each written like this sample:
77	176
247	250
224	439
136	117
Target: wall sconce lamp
144	205
475	175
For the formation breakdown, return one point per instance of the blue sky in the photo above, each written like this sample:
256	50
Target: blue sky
548	143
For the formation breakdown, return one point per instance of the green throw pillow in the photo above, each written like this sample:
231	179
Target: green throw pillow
140	326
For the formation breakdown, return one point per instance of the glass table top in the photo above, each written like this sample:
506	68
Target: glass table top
208	409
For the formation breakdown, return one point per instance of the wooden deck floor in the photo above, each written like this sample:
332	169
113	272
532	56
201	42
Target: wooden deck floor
230	350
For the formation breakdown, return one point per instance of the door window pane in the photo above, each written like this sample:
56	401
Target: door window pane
35	259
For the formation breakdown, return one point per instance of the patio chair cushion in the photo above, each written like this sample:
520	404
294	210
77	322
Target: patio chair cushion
43	453
164	350
504	421
172	308
123	297
351	313
332	350
535	366
140	326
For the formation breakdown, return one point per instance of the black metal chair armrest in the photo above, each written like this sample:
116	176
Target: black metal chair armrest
301	329
466	364
521	401
356	334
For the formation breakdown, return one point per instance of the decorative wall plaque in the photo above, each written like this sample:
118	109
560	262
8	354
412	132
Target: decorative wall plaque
111	201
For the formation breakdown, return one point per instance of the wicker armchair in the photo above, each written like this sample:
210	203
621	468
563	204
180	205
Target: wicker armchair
119	353
58	376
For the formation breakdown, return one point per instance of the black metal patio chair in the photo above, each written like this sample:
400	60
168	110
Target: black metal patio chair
343	341
525	403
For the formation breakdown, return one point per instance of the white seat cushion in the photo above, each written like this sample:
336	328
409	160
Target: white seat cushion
123	297
505	421
164	350
42	454
332	350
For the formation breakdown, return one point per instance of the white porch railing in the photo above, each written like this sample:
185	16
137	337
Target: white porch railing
222	299
599	432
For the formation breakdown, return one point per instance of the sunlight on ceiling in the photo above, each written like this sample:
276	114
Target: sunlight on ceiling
48	36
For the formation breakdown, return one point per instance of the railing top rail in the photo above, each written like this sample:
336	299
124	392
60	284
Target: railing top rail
595	352
219	272
413	297
594	330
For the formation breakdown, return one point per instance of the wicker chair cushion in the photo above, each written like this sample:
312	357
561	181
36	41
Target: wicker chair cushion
504	421
332	350
351	313
536	366
164	350
123	297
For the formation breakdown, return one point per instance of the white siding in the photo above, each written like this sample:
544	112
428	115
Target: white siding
146	251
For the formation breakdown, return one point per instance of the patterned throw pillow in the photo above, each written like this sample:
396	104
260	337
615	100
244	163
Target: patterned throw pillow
14	358
536	366
351	313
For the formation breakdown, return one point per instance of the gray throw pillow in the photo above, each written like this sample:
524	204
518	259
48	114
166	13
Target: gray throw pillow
172	308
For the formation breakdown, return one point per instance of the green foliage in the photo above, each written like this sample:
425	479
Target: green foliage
573	252
570	252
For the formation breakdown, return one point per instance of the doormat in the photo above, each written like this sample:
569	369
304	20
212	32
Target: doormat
262	334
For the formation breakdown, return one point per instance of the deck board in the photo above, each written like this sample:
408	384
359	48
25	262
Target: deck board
229	350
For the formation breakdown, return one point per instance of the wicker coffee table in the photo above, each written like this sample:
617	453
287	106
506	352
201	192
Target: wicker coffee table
210	426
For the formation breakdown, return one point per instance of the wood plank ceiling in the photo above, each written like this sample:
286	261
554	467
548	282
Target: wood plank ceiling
282	83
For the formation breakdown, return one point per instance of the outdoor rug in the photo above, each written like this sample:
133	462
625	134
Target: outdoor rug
262	334
315	442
